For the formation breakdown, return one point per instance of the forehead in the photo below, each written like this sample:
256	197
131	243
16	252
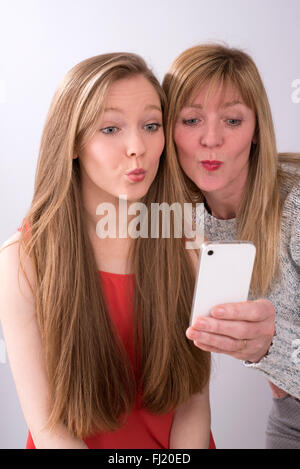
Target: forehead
137	89
219	95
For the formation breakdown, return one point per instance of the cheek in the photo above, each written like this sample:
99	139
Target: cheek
179	138
240	146
185	143
156	148
186	148
99	155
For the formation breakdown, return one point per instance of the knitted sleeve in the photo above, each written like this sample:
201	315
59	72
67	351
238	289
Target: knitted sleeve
282	363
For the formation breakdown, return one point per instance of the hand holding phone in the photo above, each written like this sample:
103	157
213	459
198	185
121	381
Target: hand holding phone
224	275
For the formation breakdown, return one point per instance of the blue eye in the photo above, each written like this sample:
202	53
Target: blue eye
109	130
234	122
190	122
153	127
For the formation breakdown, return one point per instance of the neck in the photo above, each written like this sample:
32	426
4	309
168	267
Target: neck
112	210
107	227
221	208
224	204
111	244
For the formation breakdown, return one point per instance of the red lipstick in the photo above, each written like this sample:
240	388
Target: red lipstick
136	175
211	165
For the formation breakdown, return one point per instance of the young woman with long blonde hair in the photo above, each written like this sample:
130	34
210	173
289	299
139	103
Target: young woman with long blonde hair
219	125
95	328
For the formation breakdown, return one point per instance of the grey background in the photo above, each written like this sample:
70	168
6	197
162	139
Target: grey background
41	39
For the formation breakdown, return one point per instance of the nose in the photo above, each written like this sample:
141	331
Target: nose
135	145
211	135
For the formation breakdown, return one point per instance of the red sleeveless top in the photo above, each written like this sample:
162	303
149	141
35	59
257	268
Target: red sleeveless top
142	430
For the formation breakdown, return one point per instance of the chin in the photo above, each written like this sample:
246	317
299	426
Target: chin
208	186
136	195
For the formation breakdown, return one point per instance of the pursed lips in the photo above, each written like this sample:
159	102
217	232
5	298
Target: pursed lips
211	165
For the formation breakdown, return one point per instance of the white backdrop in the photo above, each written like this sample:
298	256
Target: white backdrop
41	39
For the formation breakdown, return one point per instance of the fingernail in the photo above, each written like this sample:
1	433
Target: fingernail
190	334
218	313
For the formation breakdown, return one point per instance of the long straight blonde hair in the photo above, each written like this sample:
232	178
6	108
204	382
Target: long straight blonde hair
259	215
91	378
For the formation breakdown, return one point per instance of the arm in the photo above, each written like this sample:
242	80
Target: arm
25	352
191	423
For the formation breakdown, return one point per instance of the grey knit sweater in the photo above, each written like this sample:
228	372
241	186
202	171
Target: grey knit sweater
282	363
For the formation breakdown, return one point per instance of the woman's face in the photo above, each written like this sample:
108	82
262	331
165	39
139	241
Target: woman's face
122	157
213	140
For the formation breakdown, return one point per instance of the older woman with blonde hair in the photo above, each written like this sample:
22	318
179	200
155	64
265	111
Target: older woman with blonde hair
220	127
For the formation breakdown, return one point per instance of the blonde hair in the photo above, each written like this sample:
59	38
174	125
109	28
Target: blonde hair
259	215
92	381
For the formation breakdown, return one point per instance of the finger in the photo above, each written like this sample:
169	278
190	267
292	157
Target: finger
254	311
222	343
207	348
252	350
233	329
243	353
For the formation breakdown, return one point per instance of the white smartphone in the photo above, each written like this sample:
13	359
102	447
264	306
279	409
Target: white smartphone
224	275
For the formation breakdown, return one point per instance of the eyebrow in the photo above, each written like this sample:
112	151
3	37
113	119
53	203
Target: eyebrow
225	105
231	103
147	108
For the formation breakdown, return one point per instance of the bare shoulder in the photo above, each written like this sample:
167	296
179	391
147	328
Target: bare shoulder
15	291
9	253
12	240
